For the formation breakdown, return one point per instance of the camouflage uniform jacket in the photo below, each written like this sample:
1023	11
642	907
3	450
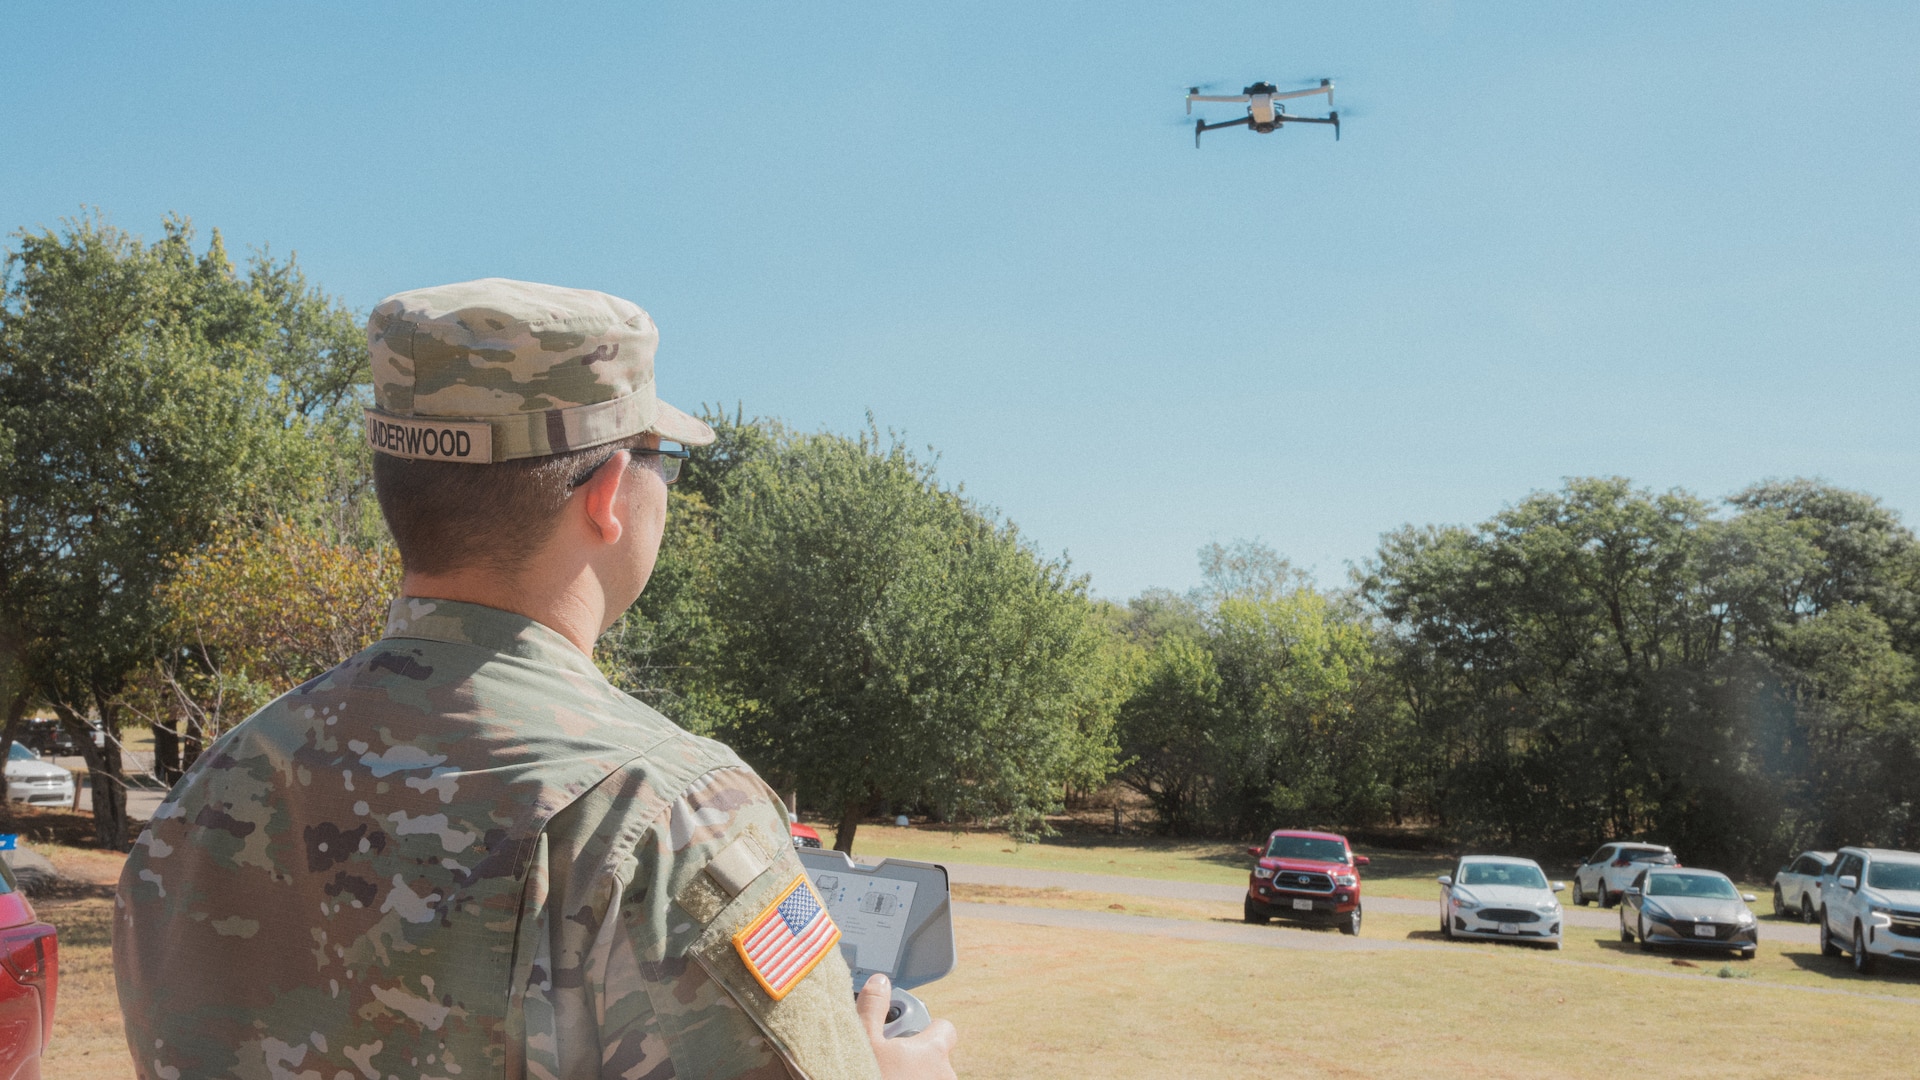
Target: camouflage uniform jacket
463	854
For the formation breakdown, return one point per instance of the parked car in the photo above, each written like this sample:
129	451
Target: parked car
1608	871
1796	888
1697	909
1310	877
1499	897
36	782
47	736
29	977
1870	906
804	835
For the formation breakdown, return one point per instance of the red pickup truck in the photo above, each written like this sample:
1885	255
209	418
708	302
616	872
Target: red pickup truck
29	972
1310	877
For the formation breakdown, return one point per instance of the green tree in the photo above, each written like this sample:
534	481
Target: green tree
885	644
1608	661
1262	703
147	394
1166	731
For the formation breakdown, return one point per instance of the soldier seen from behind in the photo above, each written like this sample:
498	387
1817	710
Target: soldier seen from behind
462	853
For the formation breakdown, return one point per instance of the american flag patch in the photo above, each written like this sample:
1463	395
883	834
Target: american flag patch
785	941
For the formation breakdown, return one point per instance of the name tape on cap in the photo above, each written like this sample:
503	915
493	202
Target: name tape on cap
430	440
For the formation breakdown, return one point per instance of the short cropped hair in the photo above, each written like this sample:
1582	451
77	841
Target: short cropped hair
450	515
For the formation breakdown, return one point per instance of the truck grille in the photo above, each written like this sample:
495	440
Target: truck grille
1508	914
1906	929
1302	880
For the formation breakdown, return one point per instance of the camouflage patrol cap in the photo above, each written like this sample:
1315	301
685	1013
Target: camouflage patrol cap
493	370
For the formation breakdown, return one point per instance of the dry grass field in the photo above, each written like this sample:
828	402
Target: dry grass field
1039	1001
1034	1000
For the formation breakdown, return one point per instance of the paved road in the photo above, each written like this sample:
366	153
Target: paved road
1153	888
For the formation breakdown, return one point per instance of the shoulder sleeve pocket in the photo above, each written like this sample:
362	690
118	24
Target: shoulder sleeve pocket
775	949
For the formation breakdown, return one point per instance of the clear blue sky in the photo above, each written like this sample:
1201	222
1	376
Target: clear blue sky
1671	241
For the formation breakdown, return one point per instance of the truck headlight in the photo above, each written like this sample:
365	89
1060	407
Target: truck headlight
1262	872
1346	879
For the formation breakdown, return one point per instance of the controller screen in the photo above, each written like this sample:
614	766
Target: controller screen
871	913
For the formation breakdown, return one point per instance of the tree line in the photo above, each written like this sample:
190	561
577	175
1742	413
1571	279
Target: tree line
188	532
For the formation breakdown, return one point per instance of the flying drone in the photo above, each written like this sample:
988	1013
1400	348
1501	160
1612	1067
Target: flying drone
1264	111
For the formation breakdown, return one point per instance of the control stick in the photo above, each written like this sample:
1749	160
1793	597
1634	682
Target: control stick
906	1016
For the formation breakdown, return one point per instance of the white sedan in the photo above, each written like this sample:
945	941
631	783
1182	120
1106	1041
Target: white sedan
1494	896
35	782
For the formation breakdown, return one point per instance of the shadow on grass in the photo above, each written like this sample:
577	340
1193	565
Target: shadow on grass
1281	924
1435	935
50	825
1840	968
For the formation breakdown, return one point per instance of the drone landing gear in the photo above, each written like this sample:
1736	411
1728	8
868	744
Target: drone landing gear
1201	125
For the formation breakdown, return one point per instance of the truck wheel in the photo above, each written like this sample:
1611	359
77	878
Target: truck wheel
1254	914
1863	961
1351	927
1828	947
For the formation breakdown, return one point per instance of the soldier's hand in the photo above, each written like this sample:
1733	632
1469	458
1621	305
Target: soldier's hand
922	1056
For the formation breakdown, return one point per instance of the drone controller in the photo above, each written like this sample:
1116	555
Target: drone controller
895	919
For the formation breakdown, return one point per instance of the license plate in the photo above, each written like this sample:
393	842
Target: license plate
1703	931
1303	905
1509	928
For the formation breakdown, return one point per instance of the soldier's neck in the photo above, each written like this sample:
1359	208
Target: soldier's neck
574	606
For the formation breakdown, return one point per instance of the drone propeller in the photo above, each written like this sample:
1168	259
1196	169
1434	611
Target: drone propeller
1200	88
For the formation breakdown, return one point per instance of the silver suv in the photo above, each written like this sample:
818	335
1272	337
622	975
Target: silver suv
1870	906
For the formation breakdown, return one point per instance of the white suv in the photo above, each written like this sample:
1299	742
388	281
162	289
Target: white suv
1607	872
1870	906
1796	888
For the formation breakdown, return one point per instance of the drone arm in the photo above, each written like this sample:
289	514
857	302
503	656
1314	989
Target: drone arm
1242	98
1325	87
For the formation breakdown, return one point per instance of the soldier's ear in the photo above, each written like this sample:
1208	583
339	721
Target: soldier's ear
600	497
